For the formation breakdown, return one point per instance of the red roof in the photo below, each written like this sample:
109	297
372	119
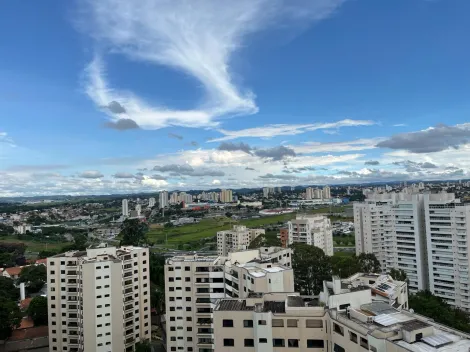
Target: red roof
14	271
26	323
29	333
42	261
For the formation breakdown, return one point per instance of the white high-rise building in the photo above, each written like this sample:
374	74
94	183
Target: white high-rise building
314	230
423	234
236	239
317	193
326	193
448	254
163	199
125	207
193	284
174	198
309	193
99	299
265	192
138	209
151	202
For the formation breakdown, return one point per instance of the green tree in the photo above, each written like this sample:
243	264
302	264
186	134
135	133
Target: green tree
157	298
427	304
8	289
133	232
46	254
7	260
143	346
228	214
37	310
311	266
344	266
34	277
10	317
368	263
265	240
79	243
398	274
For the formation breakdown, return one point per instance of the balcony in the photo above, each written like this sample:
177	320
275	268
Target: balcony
205	341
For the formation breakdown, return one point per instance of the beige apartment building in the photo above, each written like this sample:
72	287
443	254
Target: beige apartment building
346	317
237	239
194	284
314	230
99	299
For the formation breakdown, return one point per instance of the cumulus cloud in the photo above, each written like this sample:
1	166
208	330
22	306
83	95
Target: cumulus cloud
90	174
431	140
413	166
269	131
337	147
372	162
175	136
122	124
275	153
216	182
123	175
147	181
4	138
115	108
158	177
187	170
195	40
278	177
229	146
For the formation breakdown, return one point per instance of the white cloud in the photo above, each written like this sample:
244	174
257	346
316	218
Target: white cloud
198	40
148	181
4	138
269	131
216	182
319	147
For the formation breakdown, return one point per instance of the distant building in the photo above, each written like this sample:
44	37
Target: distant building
236	239
138	209
266	192
107	304
22	229
151	202
125	207
309	193
163	199
174	198
314	230
326	193
226	196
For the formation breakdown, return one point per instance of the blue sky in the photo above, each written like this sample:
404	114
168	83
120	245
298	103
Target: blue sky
111	96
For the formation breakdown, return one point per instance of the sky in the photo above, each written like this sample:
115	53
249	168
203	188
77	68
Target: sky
118	96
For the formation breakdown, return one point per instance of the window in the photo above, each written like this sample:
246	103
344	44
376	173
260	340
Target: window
315	344
263	340
229	342
344	306
188	289
353	337
338	348
188	299
187	279
338	329
247	323
279	343
364	343
189	328
278	323
314	323
293	343
291	323
249	343
261	322
187	268
227	323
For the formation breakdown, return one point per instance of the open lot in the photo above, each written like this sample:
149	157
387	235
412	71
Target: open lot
33	246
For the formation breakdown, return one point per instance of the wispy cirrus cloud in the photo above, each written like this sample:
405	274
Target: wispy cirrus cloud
196	40
270	131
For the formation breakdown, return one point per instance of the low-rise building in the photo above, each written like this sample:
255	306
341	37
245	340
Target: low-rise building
342	319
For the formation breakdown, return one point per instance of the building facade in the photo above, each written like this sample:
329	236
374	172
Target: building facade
348	316
226	196
194	284
236	239
99	299
151	202
314	230
125	207
422	233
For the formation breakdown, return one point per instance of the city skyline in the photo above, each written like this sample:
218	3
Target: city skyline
323	92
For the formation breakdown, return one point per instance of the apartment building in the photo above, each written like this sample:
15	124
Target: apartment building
448	234
339	320
163	199
422	233
236	239
194	284
226	196
125	207
314	230
99	299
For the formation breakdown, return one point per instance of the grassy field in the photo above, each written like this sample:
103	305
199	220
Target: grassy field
33	246
344	241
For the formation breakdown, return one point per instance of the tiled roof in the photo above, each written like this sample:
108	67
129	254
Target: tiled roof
24	304
41	261
29	333
14	271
